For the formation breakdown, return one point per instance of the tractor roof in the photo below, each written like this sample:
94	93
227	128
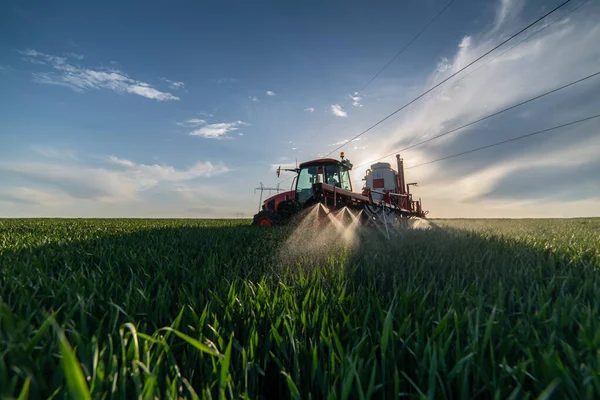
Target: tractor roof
320	161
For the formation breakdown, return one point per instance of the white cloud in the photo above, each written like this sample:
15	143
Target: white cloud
121	162
355	99
174	84
444	65
270	93
122	181
253	98
192	122
80	78
310	109
177	85
121	188
150	93
150	175
217	130
336	110
34	197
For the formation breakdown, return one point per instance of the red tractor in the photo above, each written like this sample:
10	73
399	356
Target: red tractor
327	181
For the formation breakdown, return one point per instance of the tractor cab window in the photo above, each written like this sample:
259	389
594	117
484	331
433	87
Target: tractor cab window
306	178
333	177
345	179
338	176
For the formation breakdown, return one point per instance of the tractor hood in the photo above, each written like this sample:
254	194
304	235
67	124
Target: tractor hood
280	197
272	203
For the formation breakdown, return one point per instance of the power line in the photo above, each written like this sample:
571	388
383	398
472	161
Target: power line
388	63
516	45
484	118
451	76
526	39
479	119
439	14
506	141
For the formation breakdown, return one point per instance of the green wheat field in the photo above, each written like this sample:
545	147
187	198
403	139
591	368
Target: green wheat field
468	309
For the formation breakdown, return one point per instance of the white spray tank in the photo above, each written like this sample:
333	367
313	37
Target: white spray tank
381	177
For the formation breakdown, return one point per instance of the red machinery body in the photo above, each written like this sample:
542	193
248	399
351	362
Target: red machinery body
273	202
327	181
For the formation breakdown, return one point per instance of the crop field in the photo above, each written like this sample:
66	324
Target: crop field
465	309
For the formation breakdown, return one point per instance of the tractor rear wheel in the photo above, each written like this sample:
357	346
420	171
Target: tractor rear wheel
266	218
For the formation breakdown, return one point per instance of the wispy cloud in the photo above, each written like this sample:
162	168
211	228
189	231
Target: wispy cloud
175	85
75	56
309	109
53	152
122	162
80	78
192	122
225	80
218	130
444	65
34	197
270	93
336	110
507	11
150	175
150	92
253	98
344	141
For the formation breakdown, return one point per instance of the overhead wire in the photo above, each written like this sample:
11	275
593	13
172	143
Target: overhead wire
414	38
524	40
451	76
505	141
511	48
501	111
388	63
484	118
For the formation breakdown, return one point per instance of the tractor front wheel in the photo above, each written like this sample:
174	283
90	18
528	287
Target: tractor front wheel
266	218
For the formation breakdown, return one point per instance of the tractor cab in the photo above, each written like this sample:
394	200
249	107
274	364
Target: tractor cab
282	206
326	170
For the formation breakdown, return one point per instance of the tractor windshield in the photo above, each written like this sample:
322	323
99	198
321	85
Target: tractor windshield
329	173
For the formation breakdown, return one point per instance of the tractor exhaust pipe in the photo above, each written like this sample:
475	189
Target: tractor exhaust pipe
400	176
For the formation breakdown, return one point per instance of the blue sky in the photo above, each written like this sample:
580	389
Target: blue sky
154	109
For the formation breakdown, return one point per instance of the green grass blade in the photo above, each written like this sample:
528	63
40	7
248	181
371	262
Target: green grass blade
72	370
193	342
225	369
24	395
